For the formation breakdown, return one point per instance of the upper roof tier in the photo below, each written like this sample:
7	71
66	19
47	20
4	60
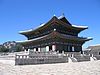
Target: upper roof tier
53	22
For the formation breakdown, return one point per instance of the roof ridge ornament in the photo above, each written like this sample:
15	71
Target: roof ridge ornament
63	14
60	17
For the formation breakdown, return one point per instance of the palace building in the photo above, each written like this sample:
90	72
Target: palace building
58	34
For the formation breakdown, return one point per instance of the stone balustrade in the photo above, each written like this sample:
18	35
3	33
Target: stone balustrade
51	58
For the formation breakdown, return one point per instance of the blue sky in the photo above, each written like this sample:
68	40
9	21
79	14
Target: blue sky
17	15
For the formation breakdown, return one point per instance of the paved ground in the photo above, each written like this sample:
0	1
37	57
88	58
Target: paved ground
7	67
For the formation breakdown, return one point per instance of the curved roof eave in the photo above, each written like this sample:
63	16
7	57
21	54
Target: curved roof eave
89	38
30	30
83	27
21	32
32	39
42	25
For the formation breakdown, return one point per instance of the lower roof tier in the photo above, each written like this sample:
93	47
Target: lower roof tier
55	37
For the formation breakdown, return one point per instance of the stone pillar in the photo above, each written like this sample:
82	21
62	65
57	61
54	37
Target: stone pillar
39	49
47	48
53	47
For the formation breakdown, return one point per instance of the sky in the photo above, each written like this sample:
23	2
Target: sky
19	15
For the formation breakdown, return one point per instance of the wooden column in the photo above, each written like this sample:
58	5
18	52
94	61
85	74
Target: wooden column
53	47
68	48
73	48
47	48
39	49
34	49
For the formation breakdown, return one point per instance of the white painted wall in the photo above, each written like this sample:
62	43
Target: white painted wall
43	49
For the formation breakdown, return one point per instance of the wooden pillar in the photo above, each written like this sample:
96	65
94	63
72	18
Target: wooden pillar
53	47
68	48
34	49
47	48
39	49
81	49
73	48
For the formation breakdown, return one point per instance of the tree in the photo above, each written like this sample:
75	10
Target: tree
4	49
18	48
11	46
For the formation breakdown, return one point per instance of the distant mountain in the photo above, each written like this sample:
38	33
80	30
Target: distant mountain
11	46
